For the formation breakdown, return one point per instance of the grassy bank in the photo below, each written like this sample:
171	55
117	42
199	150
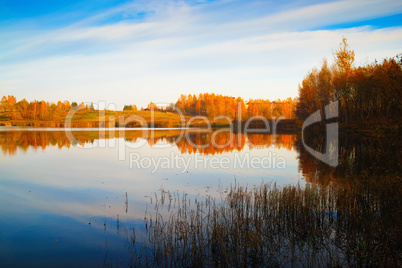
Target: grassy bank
94	119
111	119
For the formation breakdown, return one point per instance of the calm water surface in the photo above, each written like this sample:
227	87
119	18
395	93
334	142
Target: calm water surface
64	203
74	202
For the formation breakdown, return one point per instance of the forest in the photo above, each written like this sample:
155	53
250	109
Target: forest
211	105
367	95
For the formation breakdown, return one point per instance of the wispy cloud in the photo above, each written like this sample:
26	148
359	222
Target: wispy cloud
182	47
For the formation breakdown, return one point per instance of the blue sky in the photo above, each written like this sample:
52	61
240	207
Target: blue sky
134	52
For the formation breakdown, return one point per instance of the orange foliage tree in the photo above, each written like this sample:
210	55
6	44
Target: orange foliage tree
211	105
366	94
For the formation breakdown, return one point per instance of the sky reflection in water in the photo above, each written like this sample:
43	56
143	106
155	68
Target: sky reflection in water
59	201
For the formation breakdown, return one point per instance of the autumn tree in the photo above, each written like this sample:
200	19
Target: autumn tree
3	104
23	108
34	110
127	108
152	106
81	106
7	104
67	106
241	109
366	94
344	58
42	110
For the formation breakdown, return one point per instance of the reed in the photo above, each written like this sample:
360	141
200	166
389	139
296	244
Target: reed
271	226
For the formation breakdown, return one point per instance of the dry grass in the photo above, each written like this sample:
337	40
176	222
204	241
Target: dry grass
269	226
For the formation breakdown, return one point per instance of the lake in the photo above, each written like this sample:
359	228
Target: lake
73	199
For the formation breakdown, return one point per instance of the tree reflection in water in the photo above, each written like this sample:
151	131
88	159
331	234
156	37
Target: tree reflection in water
349	215
345	216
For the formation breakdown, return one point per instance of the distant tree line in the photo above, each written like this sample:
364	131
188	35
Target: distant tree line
206	104
39	110
366	94
211	105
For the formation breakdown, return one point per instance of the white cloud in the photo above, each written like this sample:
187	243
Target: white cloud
185	49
